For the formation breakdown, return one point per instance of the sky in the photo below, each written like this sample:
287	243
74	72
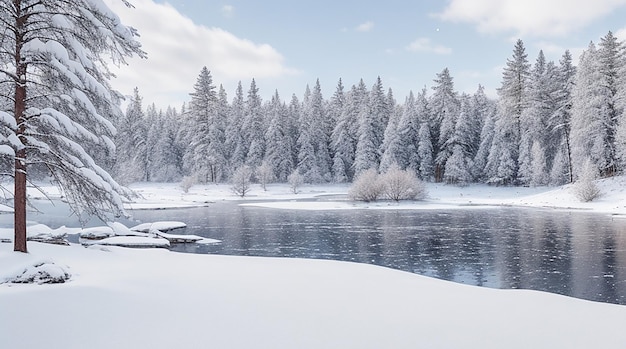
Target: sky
287	45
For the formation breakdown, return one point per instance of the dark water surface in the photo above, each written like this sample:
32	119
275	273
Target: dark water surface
571	253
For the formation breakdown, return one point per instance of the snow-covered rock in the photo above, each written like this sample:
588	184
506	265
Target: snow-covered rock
44	272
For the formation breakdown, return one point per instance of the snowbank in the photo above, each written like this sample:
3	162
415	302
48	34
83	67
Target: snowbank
440	196
123	298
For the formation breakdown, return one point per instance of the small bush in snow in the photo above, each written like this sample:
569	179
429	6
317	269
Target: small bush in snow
402	185
265	174
41	273
366	187
585	188
295	180
187	183
241	181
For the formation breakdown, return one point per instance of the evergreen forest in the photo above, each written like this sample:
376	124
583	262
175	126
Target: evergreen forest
549	119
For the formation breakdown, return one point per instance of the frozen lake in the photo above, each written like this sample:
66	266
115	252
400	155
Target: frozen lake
571	253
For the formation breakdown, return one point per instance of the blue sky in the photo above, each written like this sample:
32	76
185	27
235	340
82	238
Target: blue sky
286	45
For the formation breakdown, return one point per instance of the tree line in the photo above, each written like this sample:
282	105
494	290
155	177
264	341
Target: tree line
548	120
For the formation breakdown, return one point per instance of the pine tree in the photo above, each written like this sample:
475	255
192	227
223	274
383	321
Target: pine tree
462	145
373	118
590	115
535	121
202	115
253	127
167	156
218	163
56	98
235	146
391	149
279	143
479	164
344	136
131	164
444	106
503	158
560	122
425	153
407	134
611	56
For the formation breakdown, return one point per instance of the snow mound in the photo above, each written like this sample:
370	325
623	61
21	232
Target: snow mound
160	226
130	241
44	272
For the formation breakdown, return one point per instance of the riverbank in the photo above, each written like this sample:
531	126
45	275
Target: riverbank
128	298
170	195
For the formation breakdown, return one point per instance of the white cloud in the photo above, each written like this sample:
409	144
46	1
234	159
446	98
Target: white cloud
365	27
425	45
178	48
228	11
529	17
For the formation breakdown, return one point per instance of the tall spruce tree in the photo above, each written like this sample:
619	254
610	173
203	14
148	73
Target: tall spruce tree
131	142
590	116
202	116
279	143
560	122
253	127
444	107
503	159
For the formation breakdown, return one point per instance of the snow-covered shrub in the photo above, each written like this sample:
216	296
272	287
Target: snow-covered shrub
40	273
366	187
295	180
585	188
264	174
241	181
187	183
402	185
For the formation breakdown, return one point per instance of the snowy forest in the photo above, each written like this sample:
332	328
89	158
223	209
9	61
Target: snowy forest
548	121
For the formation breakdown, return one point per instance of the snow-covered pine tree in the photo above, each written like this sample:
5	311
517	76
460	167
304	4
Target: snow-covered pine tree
504	154
55	56
344	136
534	121
612	60
560	127
408	130
589	137
293	122
153	125
461	145
235	146
392	148
278	155
425	153
457	170
444	107
167	156
218	162
202	115
253	127
132	151
373	119
479	170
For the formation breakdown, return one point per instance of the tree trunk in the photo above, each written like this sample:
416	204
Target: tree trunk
19	205
19	196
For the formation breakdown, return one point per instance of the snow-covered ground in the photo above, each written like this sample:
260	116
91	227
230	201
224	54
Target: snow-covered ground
166	195
128	298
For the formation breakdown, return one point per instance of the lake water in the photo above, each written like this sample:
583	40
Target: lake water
571	253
